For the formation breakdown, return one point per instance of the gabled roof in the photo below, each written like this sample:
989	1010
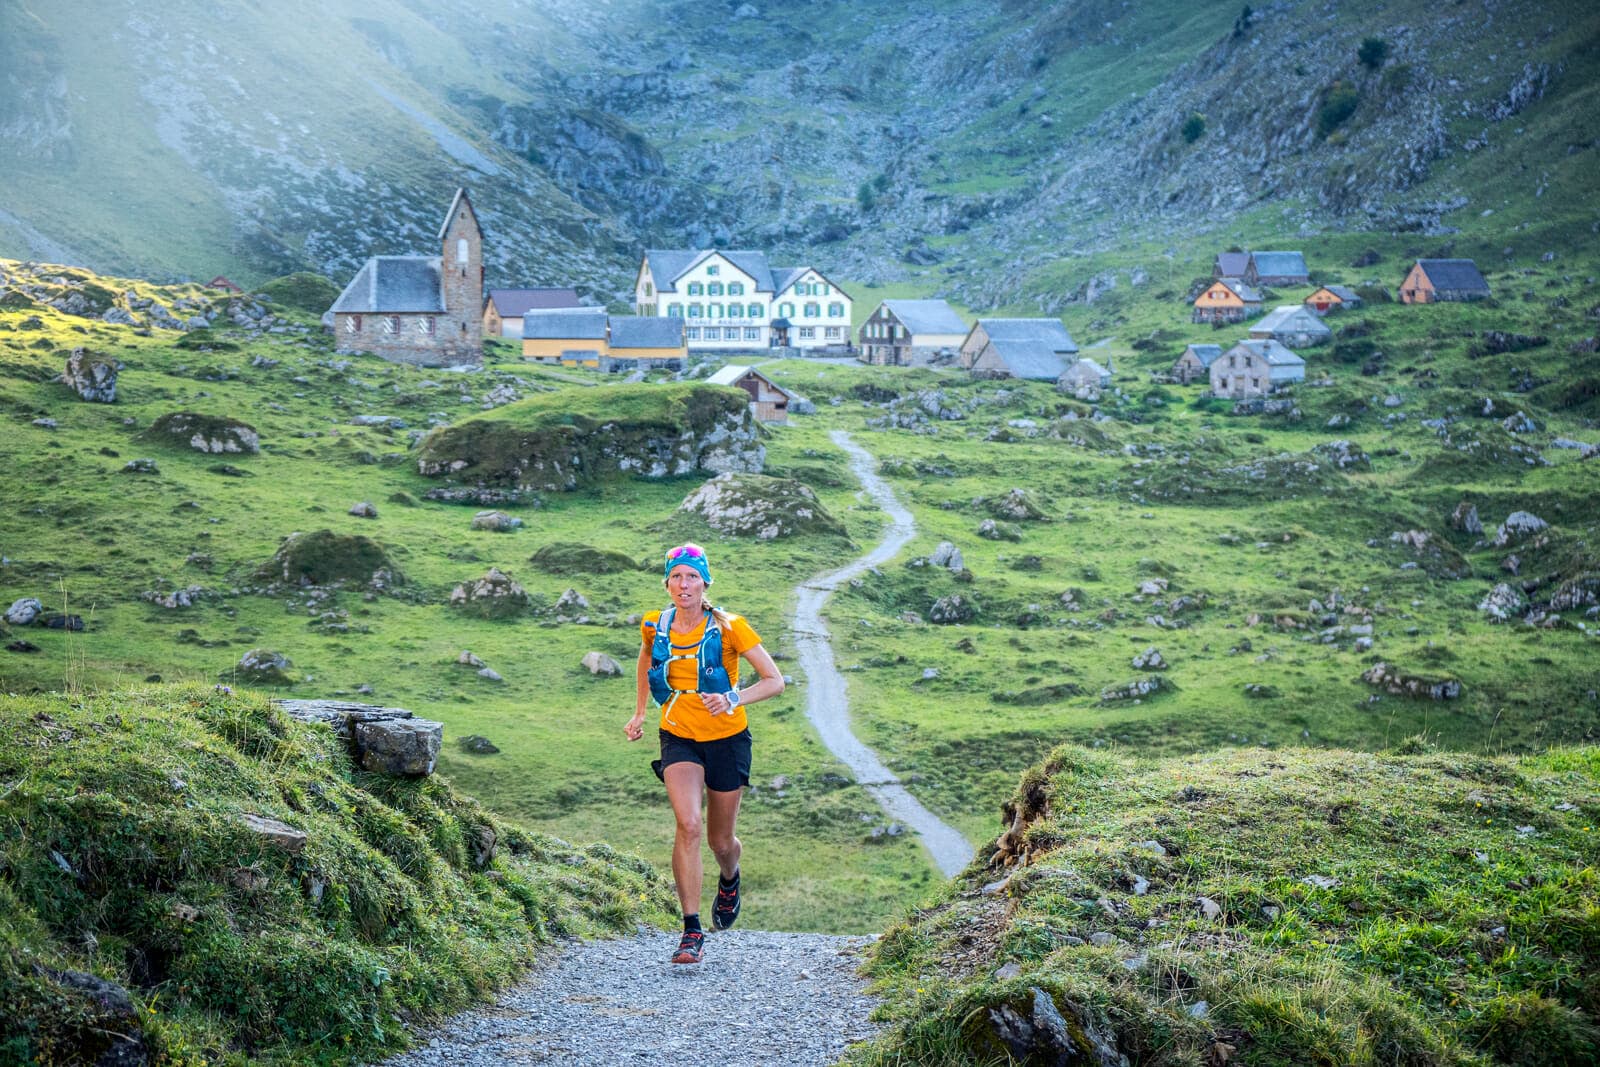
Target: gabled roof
1290	317
460	197
1453	274
1206	354
1272	352
1030	348
563	325
513	302
667	265
731	374
1291	264
387	284
926	316
646	331
783	277
1232	264
1343	292
1238	288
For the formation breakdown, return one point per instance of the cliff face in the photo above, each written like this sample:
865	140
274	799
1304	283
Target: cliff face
881	140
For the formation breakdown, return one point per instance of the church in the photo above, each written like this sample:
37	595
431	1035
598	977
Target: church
419	309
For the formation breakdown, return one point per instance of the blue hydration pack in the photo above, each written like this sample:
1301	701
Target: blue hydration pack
710	675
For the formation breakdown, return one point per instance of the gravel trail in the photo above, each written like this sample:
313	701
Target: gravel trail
827	705
784	1000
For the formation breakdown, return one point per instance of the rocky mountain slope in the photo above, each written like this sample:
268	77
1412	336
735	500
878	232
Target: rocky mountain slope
961	147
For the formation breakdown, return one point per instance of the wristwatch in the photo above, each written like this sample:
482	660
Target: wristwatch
733	699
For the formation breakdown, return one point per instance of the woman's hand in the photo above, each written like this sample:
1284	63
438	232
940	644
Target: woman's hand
635	727
718	703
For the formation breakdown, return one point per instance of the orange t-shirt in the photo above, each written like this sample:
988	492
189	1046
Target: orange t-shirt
687	715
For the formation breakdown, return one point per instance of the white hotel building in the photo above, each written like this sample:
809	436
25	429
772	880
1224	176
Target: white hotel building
733	301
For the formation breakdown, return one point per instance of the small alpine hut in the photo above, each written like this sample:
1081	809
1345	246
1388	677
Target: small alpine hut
1018	348
768	399
1084	379
1195	363
1226	301
1255	368
1292	324
1277	268
1432	280
900	333
1332	298
503	311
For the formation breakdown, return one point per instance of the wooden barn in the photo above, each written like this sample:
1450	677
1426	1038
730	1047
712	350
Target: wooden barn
1195	363
768	399
1226	300
1332	298
1433	280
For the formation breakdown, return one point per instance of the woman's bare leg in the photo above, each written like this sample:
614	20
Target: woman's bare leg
722	811
686	789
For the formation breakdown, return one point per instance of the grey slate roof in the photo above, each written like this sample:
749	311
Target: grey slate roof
564	326
926	316
1290	318
667	265
1206	354
1030	348
646	331
1085	364
1454	274
1343	292
783	277
734	371
1232	264
391	284
1244	292
1291	264
1274	353
513	302
461	194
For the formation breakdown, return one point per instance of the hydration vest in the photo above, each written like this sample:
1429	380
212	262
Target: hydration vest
710	675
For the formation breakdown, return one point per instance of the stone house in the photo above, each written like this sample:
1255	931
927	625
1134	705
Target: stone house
735	301
1292	324
1226	301
1432	280
768	400
900	333
1255	368
1332	298
419	309
1195	363
503	310
1277	268
1018	348
1084	379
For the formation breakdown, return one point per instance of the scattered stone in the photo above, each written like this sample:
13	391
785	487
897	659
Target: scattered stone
1150	659
176	600
991	530
1465	518
1209	909
489	674
601	664
467	659
494	596
1519	423
140	466
759	506
1503	603
55	620
402	747
949	556
94	380
952	609
1017	505
261	666
22	612
275	833
1152	587
1387	678
1519	526
477	744
205	433
364	510
1320	881
496	521
1137	689
323	557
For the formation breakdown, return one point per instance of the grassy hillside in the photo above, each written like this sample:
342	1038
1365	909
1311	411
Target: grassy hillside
125	854
1286	907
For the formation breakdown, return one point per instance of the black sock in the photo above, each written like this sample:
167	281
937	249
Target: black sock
691	923
729	883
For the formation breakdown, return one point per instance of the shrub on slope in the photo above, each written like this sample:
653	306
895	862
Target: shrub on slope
125	854
1266	907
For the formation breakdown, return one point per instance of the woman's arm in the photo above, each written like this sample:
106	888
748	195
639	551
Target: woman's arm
770	684
641	699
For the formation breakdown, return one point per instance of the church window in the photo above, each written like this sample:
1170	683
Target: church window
352	324
425	326
391	324
461	250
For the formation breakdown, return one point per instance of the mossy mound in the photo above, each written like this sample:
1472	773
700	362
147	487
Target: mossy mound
567	558
302	291
204	433
138	864
323	557
566	440
755	505
1265	908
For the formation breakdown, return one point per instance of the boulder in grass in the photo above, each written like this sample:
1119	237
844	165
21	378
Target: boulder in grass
402	747
24	611
1503	603
598	663
323	557
1390	680
494	596
275	833
952	610
94	380
477	744
261	666
364	510
214	434
496	521
1519	526
1150	660
565	557
1465	518
1017	506
759	506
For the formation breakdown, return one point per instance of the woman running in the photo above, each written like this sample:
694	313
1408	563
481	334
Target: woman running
689	663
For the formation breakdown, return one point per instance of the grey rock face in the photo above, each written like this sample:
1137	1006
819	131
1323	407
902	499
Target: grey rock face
24	611
1503	603
949	556
94	380
1519	526
402	747
754	505
261	666
1465	518
952	609
1137	689
494	596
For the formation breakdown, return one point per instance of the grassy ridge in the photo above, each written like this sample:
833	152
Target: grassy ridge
1289	907
123	854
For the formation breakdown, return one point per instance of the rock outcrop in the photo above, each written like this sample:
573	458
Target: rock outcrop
755	505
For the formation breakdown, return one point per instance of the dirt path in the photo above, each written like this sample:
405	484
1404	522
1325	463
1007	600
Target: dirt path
827	703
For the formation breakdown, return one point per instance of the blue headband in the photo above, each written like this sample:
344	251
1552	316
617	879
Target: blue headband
688	555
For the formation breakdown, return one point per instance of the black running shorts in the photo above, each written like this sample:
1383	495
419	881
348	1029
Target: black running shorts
726	760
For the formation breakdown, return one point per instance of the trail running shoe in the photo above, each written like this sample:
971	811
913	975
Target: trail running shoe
726	909
691	947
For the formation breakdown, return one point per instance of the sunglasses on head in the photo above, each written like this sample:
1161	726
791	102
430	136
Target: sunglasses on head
693	551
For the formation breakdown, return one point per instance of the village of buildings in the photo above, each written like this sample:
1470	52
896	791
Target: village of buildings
433	309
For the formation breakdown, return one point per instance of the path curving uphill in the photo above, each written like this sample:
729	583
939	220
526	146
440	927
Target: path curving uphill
827	703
